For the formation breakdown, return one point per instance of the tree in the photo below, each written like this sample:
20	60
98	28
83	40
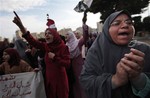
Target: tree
138	24
106	7
146	22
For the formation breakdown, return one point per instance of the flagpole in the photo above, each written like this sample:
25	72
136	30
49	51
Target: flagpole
84	19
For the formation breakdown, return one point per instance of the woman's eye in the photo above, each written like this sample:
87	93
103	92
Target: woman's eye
129	22
115	23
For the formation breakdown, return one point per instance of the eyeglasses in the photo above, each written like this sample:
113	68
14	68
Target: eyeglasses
118	22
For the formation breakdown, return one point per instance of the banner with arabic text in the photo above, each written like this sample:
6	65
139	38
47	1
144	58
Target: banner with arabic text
22	85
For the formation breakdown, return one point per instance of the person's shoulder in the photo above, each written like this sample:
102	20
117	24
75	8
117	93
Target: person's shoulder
4	63
143	46
23	63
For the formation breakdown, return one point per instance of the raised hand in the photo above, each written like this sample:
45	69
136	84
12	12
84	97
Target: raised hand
19	23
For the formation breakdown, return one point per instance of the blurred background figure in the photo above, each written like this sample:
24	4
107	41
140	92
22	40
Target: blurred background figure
13	62
3	45
20	45
75	49
36	57
92	37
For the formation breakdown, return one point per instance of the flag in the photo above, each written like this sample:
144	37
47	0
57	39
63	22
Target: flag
88	2
81	7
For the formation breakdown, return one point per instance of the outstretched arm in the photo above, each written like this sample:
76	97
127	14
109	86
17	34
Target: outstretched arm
26	34
19	23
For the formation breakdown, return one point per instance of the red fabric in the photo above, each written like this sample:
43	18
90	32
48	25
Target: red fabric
14	57
56	77
50	22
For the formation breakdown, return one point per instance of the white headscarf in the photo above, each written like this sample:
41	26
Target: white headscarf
72	43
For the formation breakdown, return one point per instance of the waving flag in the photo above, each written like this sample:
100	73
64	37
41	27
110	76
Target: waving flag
88	2
83	5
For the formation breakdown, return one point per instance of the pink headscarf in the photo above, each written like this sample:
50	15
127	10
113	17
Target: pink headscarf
72	44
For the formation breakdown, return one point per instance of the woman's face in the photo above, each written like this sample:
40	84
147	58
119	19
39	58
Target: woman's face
122	30
6	56
48	36
67	37
78	35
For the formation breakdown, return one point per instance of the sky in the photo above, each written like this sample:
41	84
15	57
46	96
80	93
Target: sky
33	15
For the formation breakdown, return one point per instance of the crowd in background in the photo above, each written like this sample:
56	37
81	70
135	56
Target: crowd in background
78	44
83	65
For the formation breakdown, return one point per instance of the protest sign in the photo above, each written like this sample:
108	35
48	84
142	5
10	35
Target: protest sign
22	85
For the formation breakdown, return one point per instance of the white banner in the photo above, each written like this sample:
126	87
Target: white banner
22	85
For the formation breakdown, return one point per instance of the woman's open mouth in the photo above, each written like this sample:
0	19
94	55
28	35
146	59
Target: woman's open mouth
123	34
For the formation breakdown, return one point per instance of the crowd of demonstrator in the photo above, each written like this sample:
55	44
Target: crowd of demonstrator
114	65
60	58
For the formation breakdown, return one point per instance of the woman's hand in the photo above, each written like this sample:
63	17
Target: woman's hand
28	50
36	69
51	55
120	78
129	68
18	22
134	62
